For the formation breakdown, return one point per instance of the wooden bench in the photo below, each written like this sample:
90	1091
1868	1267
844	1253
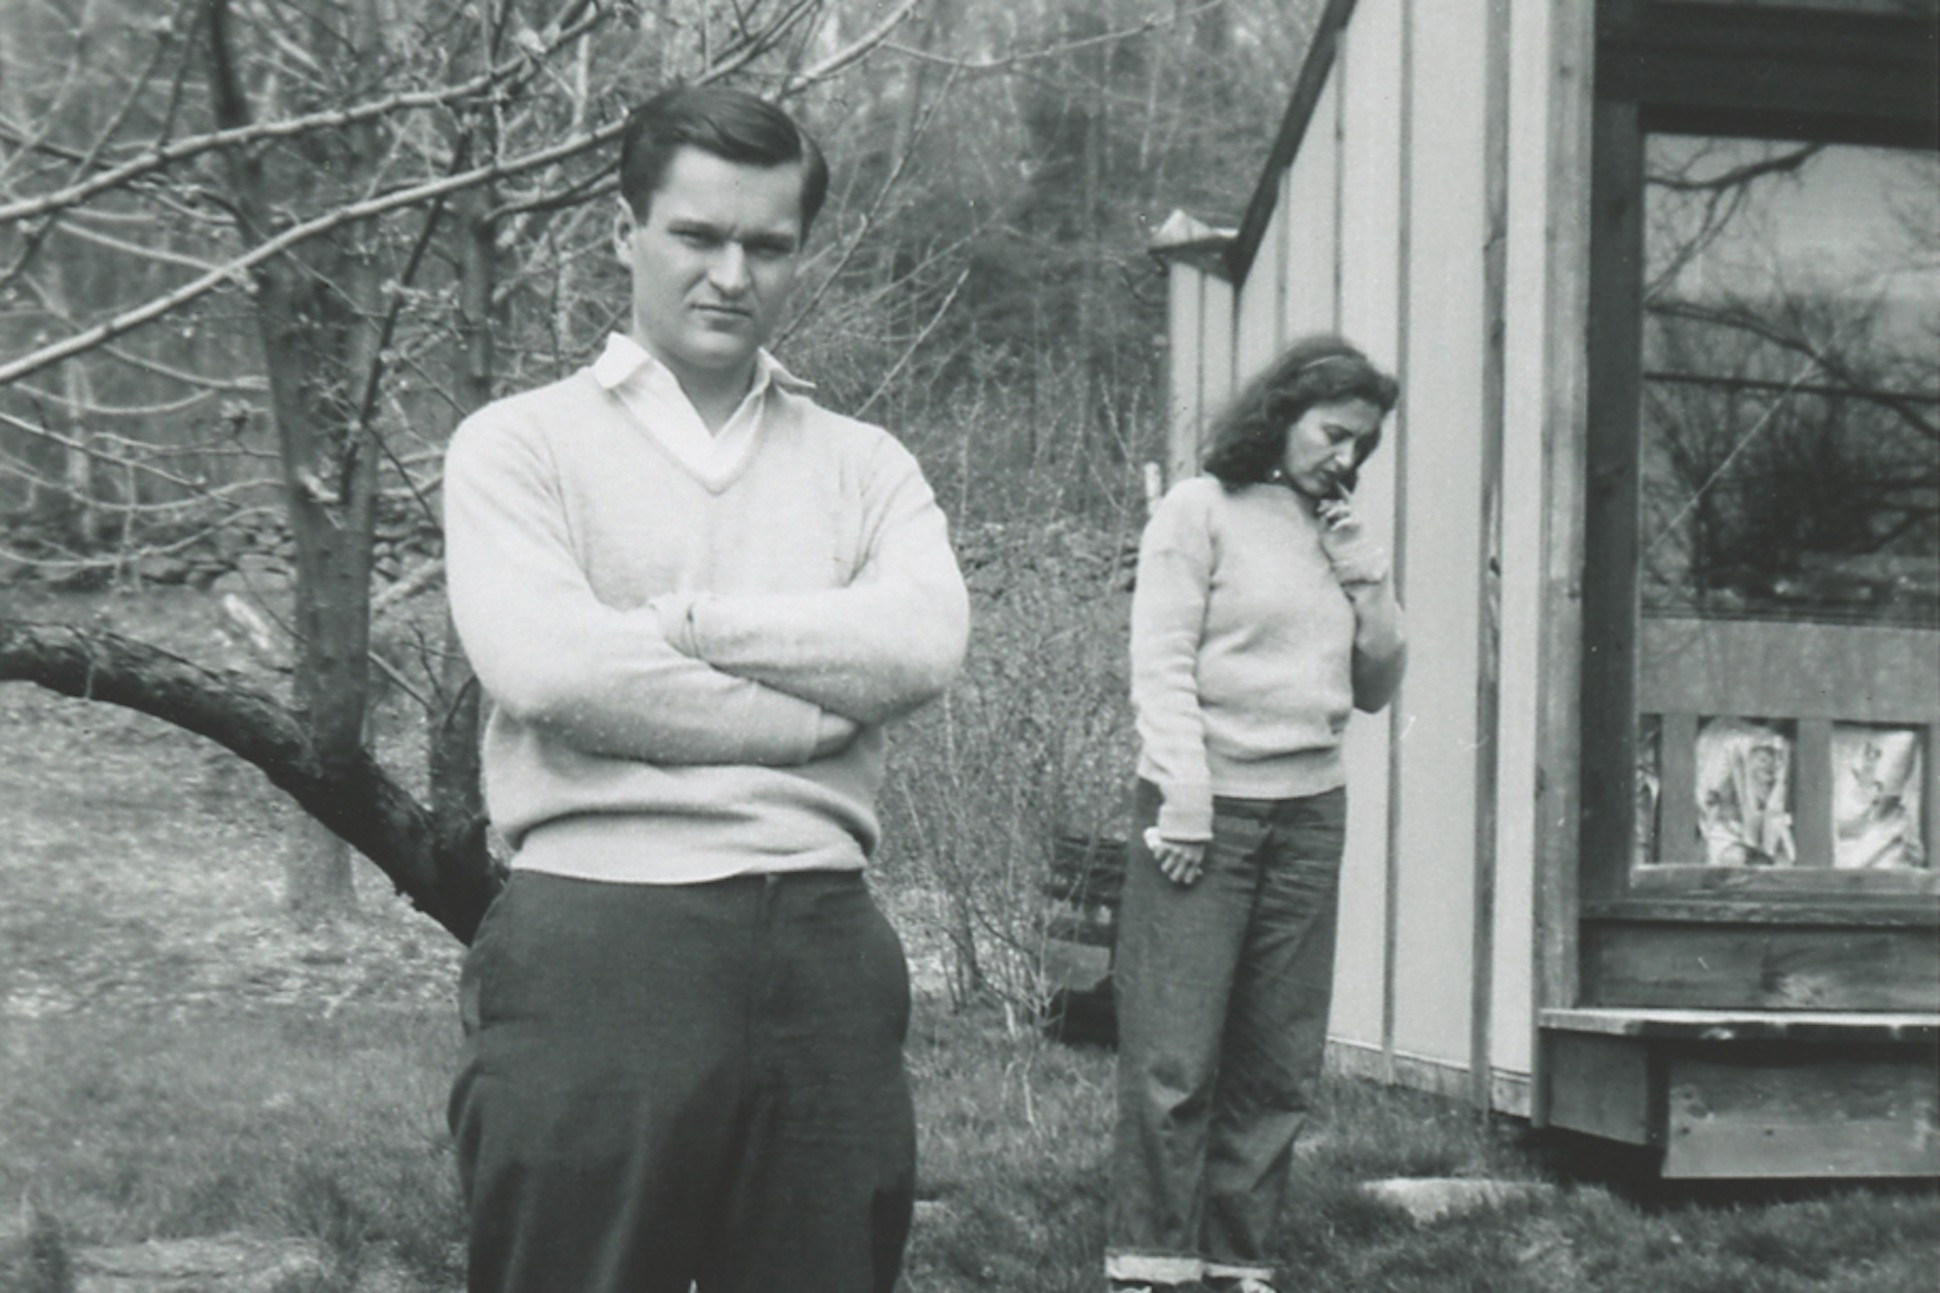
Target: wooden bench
1086	877
1082	885
1751	1093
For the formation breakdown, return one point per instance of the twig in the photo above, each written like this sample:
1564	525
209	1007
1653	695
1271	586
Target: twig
902	360
164	155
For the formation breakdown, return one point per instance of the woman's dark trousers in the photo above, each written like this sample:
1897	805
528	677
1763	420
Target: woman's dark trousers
1222	991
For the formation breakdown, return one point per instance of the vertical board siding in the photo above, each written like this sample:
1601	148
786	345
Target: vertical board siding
1397	712
1308	208
1185	303
1339	181
1434	917
1369	274
1488	688
1524	343
1258	339
1216	380
1932	824
1606	734
1565	372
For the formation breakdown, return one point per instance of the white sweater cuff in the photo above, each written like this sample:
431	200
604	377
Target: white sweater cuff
1186	815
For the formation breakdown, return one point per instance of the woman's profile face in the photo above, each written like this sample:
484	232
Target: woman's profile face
1324	445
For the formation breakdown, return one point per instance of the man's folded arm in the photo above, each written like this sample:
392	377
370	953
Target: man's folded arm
871	651
604	680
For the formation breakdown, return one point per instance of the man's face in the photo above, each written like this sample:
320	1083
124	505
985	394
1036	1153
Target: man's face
712	264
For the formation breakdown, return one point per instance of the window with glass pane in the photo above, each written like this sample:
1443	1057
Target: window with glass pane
1914	8
1788	652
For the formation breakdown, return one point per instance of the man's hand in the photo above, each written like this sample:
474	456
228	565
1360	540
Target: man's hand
1180	861
834	734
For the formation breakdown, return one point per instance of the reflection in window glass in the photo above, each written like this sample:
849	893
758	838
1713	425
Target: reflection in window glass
1649	789
1789	473
1791	401
1913	8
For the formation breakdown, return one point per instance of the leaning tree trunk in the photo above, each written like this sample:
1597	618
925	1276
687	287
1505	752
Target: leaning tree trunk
330	472
457	801
319	329
450	881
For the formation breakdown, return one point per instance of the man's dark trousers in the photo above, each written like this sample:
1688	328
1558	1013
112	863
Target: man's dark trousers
675	1083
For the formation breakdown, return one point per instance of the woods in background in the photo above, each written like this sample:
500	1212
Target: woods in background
256	260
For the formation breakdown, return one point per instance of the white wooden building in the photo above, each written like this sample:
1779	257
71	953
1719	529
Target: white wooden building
1615	860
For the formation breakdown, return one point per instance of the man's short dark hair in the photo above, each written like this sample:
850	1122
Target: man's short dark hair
732	125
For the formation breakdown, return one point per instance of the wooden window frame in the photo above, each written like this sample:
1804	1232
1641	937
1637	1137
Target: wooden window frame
1743	70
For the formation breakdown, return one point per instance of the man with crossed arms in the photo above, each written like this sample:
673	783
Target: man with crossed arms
694	598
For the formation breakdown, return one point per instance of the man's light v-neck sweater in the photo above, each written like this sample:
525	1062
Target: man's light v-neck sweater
670	660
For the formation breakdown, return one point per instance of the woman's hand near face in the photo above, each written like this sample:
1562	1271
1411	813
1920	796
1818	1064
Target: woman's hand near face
1361	569
1356	557
1180	861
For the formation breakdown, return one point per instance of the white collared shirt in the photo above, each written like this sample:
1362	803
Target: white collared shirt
650	392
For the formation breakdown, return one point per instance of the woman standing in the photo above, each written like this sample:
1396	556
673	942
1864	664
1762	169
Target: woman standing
1263	614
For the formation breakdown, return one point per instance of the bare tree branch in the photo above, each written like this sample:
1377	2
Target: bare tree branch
1738	176
164	155
915	343
869	217
1799	344
855	50
1006	62
144	250
234	270
448	879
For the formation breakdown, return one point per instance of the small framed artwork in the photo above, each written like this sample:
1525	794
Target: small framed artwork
1877	776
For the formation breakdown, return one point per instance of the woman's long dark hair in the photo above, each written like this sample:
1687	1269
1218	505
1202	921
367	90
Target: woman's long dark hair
1249	436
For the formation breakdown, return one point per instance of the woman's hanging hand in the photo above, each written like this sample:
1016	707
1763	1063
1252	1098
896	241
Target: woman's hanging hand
1180	861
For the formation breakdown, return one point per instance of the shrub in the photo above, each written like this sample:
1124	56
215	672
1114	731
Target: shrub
1035	740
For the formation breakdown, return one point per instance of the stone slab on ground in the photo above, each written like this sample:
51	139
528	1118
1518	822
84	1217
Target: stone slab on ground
225	1264
1430	1198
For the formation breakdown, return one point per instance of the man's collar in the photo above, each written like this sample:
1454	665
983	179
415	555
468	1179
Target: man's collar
624	359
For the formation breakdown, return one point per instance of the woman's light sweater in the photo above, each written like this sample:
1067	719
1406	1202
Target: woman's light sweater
689	677
1249	651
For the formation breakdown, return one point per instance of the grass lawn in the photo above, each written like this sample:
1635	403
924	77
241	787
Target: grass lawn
278	1122
176	1062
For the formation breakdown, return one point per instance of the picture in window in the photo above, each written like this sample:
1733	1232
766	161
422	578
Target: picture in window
1877	773
1744	775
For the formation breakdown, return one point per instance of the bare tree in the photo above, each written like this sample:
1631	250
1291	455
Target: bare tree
329	191
256	259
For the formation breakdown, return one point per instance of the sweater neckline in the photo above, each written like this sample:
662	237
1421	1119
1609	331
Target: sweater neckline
720	476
